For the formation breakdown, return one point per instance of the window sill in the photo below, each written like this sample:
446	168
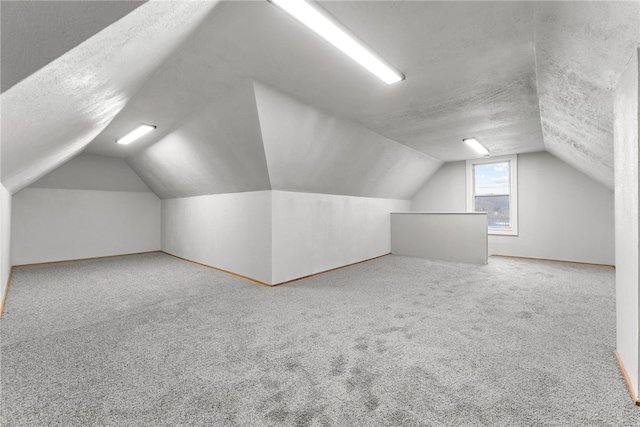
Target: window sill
503	232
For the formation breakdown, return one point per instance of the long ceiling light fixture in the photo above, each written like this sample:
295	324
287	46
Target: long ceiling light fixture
135	134
331	31
476	145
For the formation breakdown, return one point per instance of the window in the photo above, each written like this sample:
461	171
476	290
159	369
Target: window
492	187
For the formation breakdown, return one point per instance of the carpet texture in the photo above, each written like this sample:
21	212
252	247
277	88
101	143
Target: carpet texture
151	340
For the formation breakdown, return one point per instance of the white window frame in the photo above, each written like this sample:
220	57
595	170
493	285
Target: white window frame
512	230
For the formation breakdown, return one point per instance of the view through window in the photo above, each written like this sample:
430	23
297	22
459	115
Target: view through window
492	187
491	192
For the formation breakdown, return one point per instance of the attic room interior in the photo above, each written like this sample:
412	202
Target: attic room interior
444	233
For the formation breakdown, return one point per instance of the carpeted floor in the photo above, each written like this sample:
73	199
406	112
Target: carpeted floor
150	340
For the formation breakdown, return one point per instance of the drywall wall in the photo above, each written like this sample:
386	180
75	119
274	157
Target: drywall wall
52	225
447	236
90	206
310	151
318	232
563	214
627	238
227	231
93	172
277	236
5	237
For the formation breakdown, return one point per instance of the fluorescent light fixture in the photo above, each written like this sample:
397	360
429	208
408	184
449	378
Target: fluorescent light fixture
330	31
475	144
135	134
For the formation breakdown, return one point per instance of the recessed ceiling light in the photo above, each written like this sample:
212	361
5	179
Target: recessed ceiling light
331	31
135	134
475	144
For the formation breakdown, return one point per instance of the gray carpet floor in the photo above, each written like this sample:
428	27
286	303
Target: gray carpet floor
151	340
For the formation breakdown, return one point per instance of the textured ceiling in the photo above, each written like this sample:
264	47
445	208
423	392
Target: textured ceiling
51	116
582	49
477	82
470	70
521	76
49	29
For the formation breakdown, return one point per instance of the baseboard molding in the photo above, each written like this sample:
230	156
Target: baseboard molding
83	259
626	378
265	283
6	289
331	269
219	269
555	260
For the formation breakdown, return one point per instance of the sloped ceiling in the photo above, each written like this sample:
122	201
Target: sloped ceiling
521	76
582	49
52	115
310	151
257	138
91	172
50	29
217	150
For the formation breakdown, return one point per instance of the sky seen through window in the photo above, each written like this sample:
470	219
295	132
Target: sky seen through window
491	178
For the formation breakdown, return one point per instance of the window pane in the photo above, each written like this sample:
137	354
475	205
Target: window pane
491	178
497	207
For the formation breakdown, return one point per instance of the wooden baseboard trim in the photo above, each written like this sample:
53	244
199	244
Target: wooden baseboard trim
83	259
6	289
627	381
265	283
219	269
331	269
555	260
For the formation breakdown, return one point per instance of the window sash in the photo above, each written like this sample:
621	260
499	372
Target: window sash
512	228
496	216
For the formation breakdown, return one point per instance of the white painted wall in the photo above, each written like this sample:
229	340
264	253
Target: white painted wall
53	225
93	172
227	231
563	214
627	237
458	237
5	237
318	232
90	206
